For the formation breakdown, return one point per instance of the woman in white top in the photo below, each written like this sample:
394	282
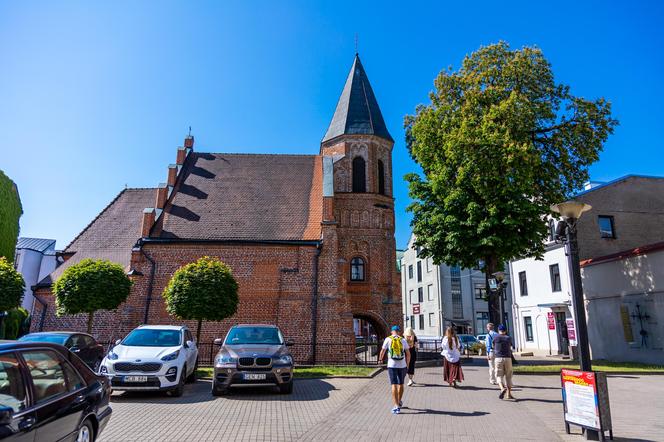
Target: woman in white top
452	372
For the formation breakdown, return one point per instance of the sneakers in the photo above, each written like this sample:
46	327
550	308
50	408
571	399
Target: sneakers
502	394
410	383
400	404
396	410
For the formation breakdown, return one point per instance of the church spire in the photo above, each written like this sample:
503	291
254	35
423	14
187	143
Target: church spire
357	111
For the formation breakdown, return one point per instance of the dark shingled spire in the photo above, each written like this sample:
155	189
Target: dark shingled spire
357	111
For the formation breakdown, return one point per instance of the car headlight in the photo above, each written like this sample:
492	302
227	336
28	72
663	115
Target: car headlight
112	356
285	359
225	360
172	356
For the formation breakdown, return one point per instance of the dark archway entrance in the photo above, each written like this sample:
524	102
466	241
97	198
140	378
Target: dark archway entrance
370	331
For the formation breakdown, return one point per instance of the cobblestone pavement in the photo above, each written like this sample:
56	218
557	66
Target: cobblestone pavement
359	409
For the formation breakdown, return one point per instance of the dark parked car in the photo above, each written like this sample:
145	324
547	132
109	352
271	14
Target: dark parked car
253	355
49	394
84	345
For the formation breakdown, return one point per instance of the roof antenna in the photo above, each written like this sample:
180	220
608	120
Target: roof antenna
356	43
189	130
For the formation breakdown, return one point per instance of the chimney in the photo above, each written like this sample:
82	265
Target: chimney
162	194
172	174
182	154
189	142
148	221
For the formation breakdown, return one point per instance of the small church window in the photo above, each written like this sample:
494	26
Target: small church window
381	178
357	269
359	175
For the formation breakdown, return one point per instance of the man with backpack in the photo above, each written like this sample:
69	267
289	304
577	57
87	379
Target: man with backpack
398	358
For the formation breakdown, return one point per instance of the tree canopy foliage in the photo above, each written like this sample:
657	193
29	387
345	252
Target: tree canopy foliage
499	143
202	290
12	286
91	285
10	212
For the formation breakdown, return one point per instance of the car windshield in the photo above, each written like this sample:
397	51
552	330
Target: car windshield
146	337
254	335
52	338
467	338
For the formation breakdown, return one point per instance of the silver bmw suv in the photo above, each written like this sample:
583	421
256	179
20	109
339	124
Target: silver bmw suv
253	355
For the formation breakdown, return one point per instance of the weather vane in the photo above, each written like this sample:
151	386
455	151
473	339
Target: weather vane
189	130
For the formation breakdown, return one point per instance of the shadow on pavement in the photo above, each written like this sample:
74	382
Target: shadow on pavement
304	390
405	410
547	401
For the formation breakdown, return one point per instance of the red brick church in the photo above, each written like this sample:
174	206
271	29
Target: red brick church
309	238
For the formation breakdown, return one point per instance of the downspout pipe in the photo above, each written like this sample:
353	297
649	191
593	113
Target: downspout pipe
314	306
153	267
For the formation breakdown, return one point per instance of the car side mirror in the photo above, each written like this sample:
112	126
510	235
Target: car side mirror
118	342
218	341
189	344
289	343
74	349
6	415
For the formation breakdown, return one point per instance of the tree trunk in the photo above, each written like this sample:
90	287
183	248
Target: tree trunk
198	332
490	267
90	317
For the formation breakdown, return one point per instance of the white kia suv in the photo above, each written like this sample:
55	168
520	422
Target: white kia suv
152	357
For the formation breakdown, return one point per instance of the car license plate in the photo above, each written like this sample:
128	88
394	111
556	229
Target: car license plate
254	376
135	378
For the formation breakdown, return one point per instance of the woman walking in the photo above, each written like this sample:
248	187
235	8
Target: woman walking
452	372
411	339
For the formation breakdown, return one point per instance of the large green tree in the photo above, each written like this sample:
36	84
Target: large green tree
499	143
91	285
202	290
11	286
10	212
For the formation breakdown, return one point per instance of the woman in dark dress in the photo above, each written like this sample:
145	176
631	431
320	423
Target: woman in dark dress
411	339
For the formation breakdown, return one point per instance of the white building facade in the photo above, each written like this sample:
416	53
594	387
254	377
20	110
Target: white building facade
437	296
35	259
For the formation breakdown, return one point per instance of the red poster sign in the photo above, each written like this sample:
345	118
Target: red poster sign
551	320
416	309
580	398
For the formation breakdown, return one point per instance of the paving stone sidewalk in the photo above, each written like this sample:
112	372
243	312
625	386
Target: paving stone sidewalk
359	409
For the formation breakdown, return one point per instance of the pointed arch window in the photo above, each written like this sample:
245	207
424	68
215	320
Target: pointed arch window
359	175
357	268
381	177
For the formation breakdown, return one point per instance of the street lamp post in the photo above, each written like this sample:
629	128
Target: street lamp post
500	278
571	211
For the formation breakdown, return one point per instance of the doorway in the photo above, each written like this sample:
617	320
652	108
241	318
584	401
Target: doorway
561	331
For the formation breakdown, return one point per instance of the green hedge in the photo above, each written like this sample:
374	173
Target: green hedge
10	212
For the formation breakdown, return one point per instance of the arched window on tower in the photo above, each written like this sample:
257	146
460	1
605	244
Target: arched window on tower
359	175
357	269
381	178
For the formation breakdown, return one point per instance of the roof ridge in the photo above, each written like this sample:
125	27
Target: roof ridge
616	181
95	219
261	154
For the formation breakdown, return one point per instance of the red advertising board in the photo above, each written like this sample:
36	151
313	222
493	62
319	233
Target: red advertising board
580	398
551	320
416	309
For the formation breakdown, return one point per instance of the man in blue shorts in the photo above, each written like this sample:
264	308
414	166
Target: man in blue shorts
398	357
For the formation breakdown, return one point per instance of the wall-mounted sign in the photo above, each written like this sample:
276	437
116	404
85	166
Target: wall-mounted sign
586	400
571	331
551	320
416	309
493	285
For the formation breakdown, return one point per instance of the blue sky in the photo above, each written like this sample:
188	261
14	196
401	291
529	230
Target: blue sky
98	95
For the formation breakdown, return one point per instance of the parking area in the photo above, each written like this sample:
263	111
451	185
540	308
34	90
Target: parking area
358	409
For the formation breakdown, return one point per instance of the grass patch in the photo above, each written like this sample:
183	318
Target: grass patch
606	366
322	371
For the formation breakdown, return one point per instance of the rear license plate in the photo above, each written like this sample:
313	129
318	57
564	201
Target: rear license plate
135	378
255	376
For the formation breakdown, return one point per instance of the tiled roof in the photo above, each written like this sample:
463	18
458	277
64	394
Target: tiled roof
36	244
245	197
112	234
357	111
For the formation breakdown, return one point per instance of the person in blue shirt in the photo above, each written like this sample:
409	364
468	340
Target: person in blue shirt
490	354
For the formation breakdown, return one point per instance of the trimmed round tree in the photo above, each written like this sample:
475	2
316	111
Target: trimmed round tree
204	290
11	286
10	212
91	285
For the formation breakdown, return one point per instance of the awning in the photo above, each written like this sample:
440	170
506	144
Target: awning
556	304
